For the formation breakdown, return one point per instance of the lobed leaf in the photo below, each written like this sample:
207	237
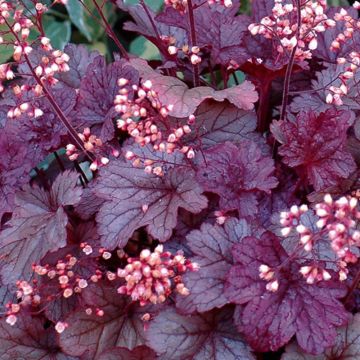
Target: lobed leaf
211	247
122	353
315	146
237	174
206	336
15	165
38	225
127	189
172	91
269	320
347	345
29	339
98	88
120	326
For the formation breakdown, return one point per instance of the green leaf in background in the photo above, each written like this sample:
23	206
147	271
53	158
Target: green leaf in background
154	4
145	49
338	3
85	22
58	32
240	78
6	51
78	17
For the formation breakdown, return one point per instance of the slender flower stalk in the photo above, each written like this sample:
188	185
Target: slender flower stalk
193	42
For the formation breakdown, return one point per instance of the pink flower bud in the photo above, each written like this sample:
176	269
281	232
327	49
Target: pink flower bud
60	327
272	286
11	320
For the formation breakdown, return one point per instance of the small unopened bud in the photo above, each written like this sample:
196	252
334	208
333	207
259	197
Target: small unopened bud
60	327
123	82
329	99
67	293
326	275
147	84
285	231
172	50
272	286
38	112
313	44
190	154
195	59
82	283
11	319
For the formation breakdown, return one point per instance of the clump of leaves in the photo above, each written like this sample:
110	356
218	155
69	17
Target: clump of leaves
151	209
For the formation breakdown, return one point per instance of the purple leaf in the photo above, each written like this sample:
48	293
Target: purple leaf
315	146
29	339
89	203
90	335
218	30
159	158
206	336
7	294
127	189
121	353
15	165
187	222
261	8
270	319
211	246
38	225
347	345
172	91
237	174
279	200
219	122
57	306
325	39
46	133
80	59
97	92
144	26
316	99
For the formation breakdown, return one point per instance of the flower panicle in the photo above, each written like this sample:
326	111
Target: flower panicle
152	277
338	222
145	119
42	68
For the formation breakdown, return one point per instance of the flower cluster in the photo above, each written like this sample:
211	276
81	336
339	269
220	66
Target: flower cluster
26	295
338	223
292	32
94	145
339	220
144	118
351	61
193	53
50	63
53	63
63	276
291	218
268	274
148	277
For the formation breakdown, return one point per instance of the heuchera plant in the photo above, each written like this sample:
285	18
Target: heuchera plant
200	206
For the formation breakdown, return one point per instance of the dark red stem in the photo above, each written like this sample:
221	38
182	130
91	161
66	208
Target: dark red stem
72	132
111	33
193	41
263	107
353	286
290	66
